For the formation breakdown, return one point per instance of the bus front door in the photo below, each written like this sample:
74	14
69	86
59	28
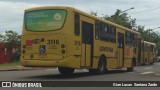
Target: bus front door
120	61
87	44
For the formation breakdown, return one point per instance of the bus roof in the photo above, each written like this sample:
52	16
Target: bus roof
150	43
111	23
83	13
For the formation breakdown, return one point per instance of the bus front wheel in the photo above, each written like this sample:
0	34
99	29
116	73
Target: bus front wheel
66	70
101	66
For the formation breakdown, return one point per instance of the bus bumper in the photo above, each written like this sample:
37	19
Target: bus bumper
71	62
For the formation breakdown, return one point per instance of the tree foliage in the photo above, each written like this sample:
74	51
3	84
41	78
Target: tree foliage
93	13
122	19
10	37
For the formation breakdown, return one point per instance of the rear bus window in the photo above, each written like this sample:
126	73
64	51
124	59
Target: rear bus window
45	20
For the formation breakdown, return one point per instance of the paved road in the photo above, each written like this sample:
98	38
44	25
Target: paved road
142	73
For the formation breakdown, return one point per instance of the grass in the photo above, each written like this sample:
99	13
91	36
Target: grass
10	64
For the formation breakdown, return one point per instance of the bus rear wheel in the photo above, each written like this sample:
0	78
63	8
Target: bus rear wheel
66	70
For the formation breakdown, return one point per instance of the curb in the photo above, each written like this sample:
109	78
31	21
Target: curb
21	68
16	68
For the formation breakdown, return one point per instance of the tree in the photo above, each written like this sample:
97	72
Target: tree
12	37
121	18
1	38
93	13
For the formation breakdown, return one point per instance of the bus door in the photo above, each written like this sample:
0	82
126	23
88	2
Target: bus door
87	44
120	61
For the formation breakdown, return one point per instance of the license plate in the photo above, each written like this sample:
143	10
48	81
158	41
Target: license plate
42	55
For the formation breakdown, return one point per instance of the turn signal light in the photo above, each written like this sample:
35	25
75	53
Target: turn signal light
29	43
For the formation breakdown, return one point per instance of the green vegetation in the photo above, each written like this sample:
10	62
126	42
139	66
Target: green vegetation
10	64
10	37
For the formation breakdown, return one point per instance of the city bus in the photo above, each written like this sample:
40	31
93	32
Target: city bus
148	53
69	39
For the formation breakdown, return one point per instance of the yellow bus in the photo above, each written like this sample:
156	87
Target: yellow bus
67	38
148	53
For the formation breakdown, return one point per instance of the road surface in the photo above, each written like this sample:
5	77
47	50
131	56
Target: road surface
141	73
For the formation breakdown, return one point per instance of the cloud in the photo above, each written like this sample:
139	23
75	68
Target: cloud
11	16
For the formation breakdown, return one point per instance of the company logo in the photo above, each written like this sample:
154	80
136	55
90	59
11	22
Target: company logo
36	41
20	84
57	16
6	84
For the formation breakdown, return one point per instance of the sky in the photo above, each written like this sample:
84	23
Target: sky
146	12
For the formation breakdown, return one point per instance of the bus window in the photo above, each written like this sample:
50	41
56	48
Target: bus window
76	24
128	38
104	32
152	48
112	34
97	29
45	20
135	40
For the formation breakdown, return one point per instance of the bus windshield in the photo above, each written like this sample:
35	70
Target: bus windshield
45	20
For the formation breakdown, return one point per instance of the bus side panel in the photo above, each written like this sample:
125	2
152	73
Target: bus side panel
111	55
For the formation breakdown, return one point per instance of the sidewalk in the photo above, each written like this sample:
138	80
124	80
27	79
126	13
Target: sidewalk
21	68
15	68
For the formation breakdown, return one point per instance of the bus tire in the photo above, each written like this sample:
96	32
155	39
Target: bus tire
101	66
66	70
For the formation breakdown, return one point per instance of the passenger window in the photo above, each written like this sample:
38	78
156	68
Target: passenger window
104	32
97	29
112	34
77	24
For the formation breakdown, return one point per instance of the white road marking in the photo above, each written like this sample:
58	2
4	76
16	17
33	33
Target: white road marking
157	63
157	74
148	68
146	72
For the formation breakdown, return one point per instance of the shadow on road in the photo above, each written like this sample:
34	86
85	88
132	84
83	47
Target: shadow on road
75	75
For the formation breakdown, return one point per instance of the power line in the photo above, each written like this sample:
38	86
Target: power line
146	10
147	19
